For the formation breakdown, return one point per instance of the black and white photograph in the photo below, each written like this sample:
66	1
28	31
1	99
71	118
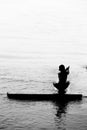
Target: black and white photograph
43	65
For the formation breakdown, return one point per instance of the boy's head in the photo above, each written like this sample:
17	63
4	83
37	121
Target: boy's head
62	68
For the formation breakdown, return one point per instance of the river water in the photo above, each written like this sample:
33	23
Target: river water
28	76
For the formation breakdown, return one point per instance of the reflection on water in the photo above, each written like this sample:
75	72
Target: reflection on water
61	113
61	109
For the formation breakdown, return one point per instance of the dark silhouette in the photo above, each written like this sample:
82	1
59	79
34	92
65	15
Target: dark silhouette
45	97
61	86
63	83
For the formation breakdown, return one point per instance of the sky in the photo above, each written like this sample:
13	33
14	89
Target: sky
42	27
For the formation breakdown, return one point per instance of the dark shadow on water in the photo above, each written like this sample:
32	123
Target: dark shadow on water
61	113
61	108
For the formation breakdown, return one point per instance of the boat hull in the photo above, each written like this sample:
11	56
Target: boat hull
46	97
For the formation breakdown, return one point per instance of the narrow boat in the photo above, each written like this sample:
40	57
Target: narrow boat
45	97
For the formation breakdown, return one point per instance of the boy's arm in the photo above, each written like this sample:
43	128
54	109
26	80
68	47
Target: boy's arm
67	69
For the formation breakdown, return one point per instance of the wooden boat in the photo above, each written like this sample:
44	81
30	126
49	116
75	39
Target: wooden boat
45	97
